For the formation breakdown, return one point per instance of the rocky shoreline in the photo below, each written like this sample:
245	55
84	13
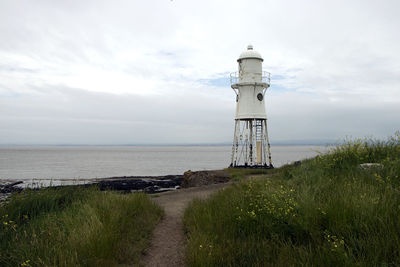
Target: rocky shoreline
128	184
148	184
8	188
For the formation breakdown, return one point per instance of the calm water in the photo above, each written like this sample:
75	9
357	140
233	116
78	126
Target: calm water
85	162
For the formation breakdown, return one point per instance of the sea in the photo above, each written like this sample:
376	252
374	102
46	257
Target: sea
79	164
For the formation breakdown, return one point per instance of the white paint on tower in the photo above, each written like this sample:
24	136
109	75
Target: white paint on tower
251	146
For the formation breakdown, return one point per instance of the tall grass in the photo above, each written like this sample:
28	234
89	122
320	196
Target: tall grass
75	227
238	173
327	211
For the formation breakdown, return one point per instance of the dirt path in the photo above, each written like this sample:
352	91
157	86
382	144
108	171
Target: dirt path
168	241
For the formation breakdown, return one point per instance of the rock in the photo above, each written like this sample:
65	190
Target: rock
199	178
297	163
366	166
149	185
10	187
7	189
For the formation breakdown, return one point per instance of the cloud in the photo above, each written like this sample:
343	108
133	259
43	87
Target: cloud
74	116
158	71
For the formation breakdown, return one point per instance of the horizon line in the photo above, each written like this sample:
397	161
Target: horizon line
277	143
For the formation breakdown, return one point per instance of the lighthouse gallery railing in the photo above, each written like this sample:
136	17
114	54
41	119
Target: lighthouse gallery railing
265	77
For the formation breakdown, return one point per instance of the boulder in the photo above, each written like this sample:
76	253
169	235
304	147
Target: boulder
200	178
367	166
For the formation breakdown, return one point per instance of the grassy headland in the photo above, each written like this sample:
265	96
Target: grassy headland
73	226
326	211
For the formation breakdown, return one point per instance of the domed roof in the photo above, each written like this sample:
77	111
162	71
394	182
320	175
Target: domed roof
250	53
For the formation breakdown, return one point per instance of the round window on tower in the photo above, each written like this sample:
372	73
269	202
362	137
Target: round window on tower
260	96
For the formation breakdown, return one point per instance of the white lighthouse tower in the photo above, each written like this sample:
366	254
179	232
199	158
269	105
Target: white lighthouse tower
251	146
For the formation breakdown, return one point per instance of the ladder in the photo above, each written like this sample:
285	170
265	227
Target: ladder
259	134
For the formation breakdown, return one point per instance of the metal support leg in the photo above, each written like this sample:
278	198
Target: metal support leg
268	144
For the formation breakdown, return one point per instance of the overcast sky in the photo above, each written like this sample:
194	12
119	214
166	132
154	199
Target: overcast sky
157	72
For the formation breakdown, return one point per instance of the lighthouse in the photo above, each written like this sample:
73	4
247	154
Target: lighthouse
251	146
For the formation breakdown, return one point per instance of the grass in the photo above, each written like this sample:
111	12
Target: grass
325	212
73	226
238	173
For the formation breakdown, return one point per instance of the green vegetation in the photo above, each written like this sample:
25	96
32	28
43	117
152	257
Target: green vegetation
73	226
325	212
238	173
